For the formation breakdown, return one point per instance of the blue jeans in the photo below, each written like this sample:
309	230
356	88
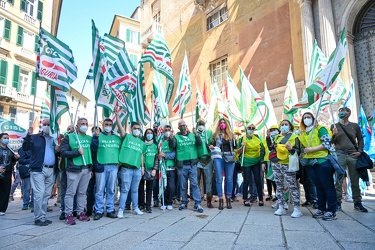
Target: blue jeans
26	186
189	172
220	167
130	179
322	176
107	181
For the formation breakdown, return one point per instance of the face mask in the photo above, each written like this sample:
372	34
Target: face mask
136	132
274	133
149	137
108	129
307	121
201	127
342	115
182	129
167	134
5	141
83	129
284	129
249	131
45	129
298	132
223	126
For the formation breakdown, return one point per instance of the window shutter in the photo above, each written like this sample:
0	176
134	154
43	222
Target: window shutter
11	1
36	41
20	36
40	11
127	35
23	5
33	83
7	29
16	77
3	72
139	37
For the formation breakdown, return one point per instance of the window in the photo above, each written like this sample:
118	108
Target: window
40	11
1	111
13	112
20	36
5	28
36	43
157	18
3	72
133	59
218	71
132	36
28	40
24	82
16	77
156	8
72	98
10	1
33	83
27	6
217	17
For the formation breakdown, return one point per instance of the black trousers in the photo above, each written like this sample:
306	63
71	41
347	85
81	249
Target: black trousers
5	185
170	190
141	193
91	193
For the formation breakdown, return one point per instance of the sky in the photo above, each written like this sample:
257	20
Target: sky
75	30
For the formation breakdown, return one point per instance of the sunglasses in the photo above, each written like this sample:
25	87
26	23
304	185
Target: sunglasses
251	128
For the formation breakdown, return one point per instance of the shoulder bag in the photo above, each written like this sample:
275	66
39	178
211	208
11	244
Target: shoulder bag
226	157
273	154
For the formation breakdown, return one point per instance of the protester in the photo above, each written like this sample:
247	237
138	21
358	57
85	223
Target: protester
24	169
272	132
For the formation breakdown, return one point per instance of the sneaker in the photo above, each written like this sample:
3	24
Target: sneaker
112	215
163	207
199	209
280	211
11	198
137	211
62	216
148	210
48	222
31	205
25	207
89	212
98	216
276	205
286	206
156	203
358	206
183	206
315	205
127	207
41	223
318	214
329	216
296	213
2	213
306	204
83	217
70	220
348	198
120	213
169	207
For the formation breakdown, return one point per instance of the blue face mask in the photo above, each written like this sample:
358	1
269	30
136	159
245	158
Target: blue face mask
342	115
5	141
149	137
284	129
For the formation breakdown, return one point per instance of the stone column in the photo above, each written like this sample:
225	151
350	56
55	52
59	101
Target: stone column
327	27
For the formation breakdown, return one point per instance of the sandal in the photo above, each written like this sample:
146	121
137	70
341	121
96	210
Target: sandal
261	203
246	203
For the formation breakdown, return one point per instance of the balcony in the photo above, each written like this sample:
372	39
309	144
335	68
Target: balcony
29	19
6	93
4	4
22	97
148	35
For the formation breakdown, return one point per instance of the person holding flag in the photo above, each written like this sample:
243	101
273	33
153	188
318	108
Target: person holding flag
76	148
42	164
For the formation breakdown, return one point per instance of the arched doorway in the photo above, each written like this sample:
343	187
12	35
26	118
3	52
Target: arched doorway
364	47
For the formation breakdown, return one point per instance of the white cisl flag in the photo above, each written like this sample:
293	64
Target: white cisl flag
55	62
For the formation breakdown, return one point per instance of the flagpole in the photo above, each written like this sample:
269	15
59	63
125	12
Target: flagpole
192	114
316	119
152	107
333	117
79	101
33	109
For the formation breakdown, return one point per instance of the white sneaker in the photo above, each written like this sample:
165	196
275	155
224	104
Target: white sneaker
2	213
163	207
280	211
286	206
276	205
169	207
296	213
120	213
137	211
348	198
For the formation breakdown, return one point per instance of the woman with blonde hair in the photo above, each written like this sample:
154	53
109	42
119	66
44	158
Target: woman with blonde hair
223	139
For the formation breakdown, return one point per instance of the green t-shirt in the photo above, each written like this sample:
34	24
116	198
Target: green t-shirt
166	149
85	141
186	148
131	151
109	149
206	137
151	151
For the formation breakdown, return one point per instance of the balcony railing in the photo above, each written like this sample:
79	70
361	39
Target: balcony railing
147	36
6	91
24	97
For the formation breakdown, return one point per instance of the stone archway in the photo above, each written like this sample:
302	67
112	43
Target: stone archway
364	50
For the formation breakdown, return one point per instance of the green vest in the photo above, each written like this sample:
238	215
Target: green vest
166	149
131	151
109	148
186	149
85	141
151	151
206	139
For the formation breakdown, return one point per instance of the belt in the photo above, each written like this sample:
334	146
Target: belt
48	166
186	163
129	167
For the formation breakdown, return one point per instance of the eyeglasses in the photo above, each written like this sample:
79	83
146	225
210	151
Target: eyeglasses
251	128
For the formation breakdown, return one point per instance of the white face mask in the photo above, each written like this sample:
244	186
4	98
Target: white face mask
249	131
274	133
45	129
167	134
307	121
83	129
136	132
108	129
201	127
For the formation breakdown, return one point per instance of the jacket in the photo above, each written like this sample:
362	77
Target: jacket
69	154
9	163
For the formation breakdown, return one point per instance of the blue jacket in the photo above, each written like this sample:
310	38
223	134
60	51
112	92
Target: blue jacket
25	157
37	144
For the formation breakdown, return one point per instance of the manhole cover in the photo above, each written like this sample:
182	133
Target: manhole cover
202	216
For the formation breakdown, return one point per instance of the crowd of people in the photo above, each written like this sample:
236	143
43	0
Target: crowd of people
90	170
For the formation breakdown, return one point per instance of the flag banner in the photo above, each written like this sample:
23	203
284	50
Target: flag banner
318	62
123	115
254	110
204	93
160	107
365	128
267	100
59	105
45	109
232	99
183	93
16	133
55	62
350	99
290	97
371	151
158	55
334	94
201	108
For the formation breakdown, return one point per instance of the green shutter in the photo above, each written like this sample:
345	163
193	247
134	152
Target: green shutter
36	41
33	83
23	5
7	29
16	77
139	37
11	1
20	36
40	11
127	35
3	72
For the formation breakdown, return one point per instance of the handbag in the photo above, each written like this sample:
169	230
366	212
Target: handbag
273	154
147	175
24	171
293	165
228	158
364	160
